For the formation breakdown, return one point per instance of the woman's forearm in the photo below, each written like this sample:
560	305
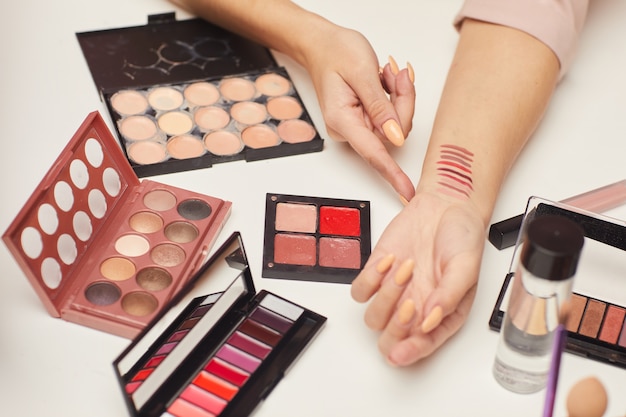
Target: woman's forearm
278	24
498	87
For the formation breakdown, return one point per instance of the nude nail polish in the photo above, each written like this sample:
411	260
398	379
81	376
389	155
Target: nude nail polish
432	320
406	311
411	71
393	132
405	272
393	65
385	263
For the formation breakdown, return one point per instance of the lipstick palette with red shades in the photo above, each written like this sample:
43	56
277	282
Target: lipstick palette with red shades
103	249
596	324
186	94
315	239
218	354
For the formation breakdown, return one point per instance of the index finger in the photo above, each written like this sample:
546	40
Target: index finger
370	148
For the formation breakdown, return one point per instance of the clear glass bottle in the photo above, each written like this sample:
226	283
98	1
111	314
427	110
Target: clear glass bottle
542	282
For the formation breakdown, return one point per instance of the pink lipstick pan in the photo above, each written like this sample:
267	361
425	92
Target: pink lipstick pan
102	249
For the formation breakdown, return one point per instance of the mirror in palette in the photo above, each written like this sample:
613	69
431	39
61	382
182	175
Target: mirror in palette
165	347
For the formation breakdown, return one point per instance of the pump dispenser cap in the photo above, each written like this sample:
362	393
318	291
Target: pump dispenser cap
552	247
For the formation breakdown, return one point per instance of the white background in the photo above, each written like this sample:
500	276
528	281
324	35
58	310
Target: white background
49	367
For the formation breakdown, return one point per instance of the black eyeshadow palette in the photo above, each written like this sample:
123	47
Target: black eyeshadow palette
596	326
187	94
315	239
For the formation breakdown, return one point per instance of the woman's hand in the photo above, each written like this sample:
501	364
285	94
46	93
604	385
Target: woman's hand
369	107
421	277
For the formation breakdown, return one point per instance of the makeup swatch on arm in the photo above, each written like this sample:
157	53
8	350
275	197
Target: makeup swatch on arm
454	169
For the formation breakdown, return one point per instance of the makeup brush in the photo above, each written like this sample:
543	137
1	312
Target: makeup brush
560	338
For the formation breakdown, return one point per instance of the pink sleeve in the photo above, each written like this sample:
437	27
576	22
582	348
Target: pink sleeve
556	23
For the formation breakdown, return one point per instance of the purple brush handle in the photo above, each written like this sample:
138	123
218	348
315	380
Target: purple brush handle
553	375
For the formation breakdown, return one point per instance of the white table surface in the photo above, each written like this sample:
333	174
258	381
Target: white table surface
50	367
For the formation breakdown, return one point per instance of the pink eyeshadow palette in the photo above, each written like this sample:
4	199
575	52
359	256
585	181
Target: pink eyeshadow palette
596	327
187	95
218	354
315	239
103	249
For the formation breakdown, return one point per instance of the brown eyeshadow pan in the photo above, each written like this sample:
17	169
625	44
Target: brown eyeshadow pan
153	278
577	308
139	303
592	318
146	222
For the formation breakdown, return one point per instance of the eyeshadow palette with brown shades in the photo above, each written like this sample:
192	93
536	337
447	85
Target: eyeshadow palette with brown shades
102	248
596	323
186	94
315	239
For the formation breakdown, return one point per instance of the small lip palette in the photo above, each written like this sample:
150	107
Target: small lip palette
187	94
215	353
596	325
103	249
315	239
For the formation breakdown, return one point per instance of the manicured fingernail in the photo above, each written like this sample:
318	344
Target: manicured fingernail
385	263
404	201
432	320
404	273
393	65
393	132
409	68
406	311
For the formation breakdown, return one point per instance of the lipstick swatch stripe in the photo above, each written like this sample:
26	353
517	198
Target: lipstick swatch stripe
459	150
455	170
450	156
